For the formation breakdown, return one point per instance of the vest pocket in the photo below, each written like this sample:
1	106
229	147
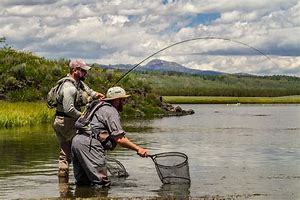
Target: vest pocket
107	142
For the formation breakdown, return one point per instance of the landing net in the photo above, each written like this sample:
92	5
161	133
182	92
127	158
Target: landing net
115	168
172	167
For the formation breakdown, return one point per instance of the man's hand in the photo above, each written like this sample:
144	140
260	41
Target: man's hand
100	95
142	152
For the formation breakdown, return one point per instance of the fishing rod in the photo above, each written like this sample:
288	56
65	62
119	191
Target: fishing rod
189	40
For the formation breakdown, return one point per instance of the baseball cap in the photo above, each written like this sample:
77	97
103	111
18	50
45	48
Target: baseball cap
80	64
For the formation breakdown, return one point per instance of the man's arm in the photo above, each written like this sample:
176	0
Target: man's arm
111	119
92	93
125	142
69	95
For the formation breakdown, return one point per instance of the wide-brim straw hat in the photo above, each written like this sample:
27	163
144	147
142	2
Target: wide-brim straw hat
115	93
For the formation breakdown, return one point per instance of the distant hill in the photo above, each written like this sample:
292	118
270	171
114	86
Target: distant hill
163	66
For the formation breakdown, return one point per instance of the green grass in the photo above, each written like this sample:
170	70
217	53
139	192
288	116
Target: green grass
231	100
16	114
24	113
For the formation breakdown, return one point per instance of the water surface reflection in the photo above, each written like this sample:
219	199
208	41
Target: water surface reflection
246	151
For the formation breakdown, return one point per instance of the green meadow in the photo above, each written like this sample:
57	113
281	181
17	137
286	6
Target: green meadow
231	100
15	114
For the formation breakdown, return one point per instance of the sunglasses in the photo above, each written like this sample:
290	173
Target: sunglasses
82	70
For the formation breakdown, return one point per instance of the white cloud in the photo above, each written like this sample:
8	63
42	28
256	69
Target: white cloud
121	31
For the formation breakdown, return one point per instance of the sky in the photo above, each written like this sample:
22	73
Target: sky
260	37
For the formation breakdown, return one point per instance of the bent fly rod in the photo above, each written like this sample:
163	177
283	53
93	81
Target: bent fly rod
189	40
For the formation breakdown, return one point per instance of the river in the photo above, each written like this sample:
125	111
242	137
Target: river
234	151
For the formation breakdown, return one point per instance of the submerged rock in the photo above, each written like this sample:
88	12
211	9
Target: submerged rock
174	111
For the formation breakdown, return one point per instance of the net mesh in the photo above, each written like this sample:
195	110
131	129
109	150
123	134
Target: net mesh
172	167
115	168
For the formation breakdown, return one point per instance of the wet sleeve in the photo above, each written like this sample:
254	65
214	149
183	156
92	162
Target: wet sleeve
68	101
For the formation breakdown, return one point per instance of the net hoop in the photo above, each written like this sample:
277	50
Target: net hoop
169	154
172	167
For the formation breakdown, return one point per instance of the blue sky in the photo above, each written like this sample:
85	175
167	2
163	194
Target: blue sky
202	18
119	31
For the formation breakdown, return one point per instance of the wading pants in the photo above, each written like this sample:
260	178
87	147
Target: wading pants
64	128
89	162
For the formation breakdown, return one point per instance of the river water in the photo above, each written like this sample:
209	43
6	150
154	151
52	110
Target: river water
234	151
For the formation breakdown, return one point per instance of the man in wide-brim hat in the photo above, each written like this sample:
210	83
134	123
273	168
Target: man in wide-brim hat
103	133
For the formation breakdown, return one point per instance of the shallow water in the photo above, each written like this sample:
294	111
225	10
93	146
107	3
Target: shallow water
237	152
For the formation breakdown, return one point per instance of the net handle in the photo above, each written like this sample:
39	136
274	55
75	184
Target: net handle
152	156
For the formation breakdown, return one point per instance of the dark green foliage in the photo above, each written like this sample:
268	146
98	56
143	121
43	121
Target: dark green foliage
2	39
25	77
221	85
26	94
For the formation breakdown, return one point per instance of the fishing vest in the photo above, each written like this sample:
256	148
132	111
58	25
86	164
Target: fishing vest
83	126
54	96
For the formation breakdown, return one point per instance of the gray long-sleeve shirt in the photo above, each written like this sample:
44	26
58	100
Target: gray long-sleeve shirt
68	96
107	118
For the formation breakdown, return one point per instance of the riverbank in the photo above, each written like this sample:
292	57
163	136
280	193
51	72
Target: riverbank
24	114
231	100
17	114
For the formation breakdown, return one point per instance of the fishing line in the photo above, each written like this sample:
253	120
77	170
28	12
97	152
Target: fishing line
189	40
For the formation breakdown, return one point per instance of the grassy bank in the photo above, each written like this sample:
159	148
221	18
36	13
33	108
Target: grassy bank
231	100
28	113
17	114
24	113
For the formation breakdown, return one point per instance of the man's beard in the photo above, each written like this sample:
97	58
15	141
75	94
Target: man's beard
120	108
82	78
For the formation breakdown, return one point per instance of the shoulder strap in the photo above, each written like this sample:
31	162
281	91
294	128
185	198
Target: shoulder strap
62	81
81	85
92	107
60	84
88	114
78	85
65	79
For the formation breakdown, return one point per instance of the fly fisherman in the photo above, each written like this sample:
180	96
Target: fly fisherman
102	132
72	94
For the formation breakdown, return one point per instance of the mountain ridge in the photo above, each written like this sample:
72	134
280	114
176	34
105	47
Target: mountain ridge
162	66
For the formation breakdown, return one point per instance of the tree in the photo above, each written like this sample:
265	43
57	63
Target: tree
2	39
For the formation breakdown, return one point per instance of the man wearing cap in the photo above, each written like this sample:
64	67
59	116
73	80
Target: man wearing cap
103	133
72	94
